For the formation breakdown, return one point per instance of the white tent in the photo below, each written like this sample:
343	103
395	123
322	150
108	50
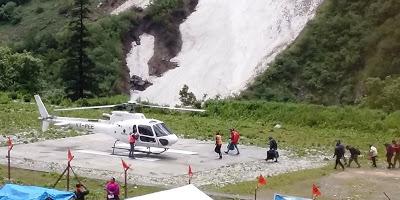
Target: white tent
180	193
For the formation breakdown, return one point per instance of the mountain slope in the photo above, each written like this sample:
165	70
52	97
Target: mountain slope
225	44
347	43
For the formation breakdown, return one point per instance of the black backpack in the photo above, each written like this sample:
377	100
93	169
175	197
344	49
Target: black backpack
357	151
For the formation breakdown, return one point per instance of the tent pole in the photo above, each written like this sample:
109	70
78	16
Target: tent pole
59	178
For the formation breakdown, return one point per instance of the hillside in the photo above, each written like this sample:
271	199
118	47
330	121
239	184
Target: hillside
43	32
224	45
43	16
348	54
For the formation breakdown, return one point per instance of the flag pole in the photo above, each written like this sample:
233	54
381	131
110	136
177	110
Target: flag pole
126	185
255	193
9	164
68	167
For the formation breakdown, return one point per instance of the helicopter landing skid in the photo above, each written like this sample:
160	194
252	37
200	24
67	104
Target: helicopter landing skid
148	151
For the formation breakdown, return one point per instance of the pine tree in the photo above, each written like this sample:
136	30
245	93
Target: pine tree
78	71
187	98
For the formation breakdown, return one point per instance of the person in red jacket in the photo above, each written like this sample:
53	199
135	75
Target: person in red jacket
389	155
396	158
132	140
235	136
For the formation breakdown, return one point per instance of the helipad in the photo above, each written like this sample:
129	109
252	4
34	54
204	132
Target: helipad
94	158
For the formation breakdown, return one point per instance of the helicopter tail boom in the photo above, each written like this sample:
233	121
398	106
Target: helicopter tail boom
42	109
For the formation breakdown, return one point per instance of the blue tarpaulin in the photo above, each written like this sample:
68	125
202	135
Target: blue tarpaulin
19	192
285	197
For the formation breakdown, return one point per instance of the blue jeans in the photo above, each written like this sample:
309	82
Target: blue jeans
235	146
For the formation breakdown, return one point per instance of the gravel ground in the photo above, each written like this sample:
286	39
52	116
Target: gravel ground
168	171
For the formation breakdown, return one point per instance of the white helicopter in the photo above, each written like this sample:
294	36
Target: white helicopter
152	132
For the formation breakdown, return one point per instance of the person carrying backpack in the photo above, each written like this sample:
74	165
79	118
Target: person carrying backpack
235	136
354	153
273	147
338	153
218	144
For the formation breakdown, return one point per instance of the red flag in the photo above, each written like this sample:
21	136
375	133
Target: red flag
261	181
70	156
190	171
315	190
10	144
125	165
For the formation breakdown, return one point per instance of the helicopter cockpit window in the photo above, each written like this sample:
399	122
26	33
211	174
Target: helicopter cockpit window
147	134
159	131
165	128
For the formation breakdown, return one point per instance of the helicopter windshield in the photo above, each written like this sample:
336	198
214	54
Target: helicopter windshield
161	130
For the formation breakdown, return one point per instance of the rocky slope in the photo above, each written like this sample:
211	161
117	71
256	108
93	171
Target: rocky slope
225	44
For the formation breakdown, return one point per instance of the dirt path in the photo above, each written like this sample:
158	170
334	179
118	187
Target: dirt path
351	184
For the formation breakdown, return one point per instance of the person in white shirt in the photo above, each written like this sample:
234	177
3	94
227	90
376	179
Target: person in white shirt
373	153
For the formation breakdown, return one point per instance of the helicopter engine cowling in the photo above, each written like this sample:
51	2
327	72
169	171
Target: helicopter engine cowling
124	115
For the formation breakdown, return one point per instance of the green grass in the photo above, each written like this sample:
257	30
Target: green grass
256	132
282	182
17	116
296	134
44	179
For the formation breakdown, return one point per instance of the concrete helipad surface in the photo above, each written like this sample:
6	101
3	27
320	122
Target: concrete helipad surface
93	158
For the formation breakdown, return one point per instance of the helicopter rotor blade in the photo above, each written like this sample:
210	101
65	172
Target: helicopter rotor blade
85	108
172	108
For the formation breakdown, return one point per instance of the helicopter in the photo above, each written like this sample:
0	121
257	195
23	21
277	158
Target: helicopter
119	125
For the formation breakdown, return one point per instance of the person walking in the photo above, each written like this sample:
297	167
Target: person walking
338	154
396	158
235	136
112	188
80	192
273	147
389	155
132	140
373	154
354	153
218	144
343	151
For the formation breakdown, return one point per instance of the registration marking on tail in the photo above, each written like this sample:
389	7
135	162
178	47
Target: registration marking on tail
101	153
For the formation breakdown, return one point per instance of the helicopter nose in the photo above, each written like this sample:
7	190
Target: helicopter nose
173	139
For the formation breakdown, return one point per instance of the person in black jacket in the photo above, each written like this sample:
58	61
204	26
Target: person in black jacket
354	153
339	153
272	143
80	192
273	147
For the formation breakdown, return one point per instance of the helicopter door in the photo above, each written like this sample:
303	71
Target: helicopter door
146	134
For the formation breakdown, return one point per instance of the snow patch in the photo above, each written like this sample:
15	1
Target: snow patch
129	4
138	57
226	43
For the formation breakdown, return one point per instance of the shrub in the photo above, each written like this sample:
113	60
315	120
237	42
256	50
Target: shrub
39	10
10	13
13	95
393	121
4	99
